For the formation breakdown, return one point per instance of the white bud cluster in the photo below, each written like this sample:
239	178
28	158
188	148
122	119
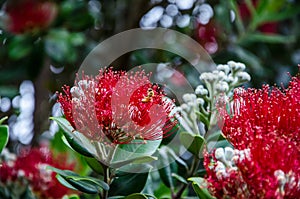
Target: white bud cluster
222	87
223	67
225	156
243	76
240	155
200	90
236	66
226	77
208	77
216	84
226	160
189	97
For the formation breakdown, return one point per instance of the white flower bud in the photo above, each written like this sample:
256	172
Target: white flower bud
204	76
220	170
231	79
208	77
191	104
220	166
236	66
219	154
184	107
229	153
200	101
240	66
221	75
178	109
243	76
200	90
189	97
21	173
231	64
223	67
280	175
222	86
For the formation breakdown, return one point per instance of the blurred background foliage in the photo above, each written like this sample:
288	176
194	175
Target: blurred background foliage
42	44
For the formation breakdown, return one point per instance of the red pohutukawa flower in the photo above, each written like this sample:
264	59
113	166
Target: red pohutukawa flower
264	128
118	107
29	168
29	15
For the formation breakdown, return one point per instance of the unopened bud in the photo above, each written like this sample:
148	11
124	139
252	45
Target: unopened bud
222	86
243	76
223	67
200	90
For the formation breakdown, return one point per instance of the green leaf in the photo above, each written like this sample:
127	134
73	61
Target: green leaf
179	178
62	181
4	135
193	143
128	183
269	38
3	119
73	196
220	144
201	172
135	152
267	15
82	183
136	196
69	132
94	164
137	160
200	187
169	168
173	155
162	191
19	47
214	136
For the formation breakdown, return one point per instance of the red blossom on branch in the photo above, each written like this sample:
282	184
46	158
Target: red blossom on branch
30	167
29	15
117	107
264	129
264	111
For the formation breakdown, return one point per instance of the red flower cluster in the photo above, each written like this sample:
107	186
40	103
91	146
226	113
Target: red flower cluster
29	15
264	128
30	168
118	107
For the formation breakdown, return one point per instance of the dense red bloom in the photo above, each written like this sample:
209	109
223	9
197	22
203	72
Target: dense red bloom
264	111
29	15
117	107
264	127
30	167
